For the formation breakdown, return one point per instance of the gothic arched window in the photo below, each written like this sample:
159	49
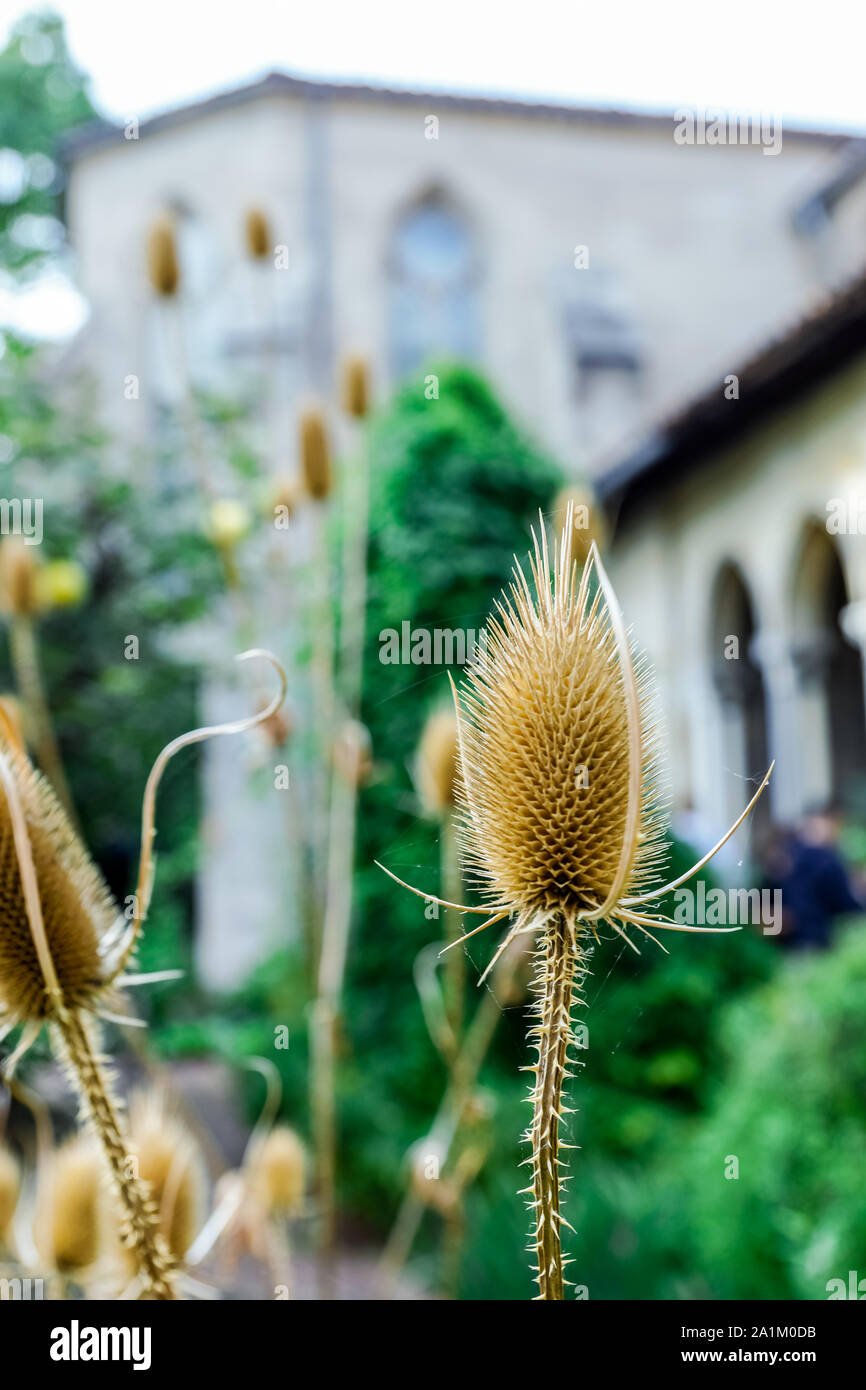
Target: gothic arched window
433	302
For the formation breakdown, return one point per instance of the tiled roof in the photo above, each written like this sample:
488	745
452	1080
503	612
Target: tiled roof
783	371
97	133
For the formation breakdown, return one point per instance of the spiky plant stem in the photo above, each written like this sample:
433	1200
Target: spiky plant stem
140	1221
324	1125
342	824
552	1037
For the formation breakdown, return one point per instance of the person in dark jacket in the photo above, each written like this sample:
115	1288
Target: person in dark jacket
814	882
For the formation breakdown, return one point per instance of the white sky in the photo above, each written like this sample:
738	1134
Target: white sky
790	58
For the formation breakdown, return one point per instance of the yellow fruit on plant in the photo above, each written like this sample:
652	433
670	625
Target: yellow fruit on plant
60	584
228	521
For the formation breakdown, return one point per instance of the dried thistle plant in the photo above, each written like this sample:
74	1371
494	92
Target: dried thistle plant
436	776
257	234
163	267
170	1164
436	763
255	1203
68	1224
315	455
356	387
19	572
578	507
562	827
64	954
10	1187
278	1171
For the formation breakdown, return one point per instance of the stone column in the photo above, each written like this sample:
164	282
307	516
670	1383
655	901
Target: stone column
811	656
852	621
771	652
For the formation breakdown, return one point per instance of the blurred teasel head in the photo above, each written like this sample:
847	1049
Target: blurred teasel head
257	235
170	1165
430	1186
587	519
436	763
19	570
315	455
283	498
278	1171
356	387
163	267
10	1186
69	1225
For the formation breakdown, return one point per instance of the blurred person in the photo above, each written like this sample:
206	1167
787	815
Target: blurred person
816	887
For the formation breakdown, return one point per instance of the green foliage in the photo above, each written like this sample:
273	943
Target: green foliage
150	573
42	95
792	1112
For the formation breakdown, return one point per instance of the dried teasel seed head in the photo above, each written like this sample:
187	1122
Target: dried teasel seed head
77	908
163	268
283	498
426	1161
315	455
588	522
19	568
356	388
352	752
278	1171
10	1186
547	779
257	234
69	1219
170	1165
436	763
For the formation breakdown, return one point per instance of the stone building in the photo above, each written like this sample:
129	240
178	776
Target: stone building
598	268
740	558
